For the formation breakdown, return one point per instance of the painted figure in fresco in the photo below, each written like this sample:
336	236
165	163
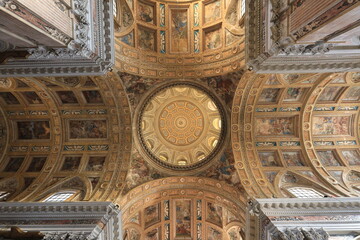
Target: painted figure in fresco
36	164
145	13
32	97
183	218
33	130
352	156
214	213
92	96
268	159
146	40
327	158
293	158
67	97
151	215
331	125
276	126
152	235
128	39
88	129
213	40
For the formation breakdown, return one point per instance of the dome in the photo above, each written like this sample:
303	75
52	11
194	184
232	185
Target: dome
181	126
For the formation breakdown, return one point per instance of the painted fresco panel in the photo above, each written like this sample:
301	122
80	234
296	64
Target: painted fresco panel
36	164
234	233
268	159
14	164
214	213
213	234
331	125
153	234
352	95
269	95
146	12
212	11
293	158
133	234
71	163
32	98
179	31
274	126
128	39
87	129
33	130
183	218
231	38
328	158
93	97
9	98
67	97
146	39
330	94
272	80
213	39
271	175
294	94
96	163
352	156
151	215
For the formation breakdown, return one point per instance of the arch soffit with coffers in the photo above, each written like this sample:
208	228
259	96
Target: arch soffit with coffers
59	101
251	108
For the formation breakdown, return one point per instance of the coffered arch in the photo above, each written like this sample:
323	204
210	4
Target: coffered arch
305	125
66	126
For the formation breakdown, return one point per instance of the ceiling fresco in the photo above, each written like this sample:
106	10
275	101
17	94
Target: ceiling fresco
153	38
179	134
297	130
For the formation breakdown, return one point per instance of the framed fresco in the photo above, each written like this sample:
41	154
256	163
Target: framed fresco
14	163
179	30
213	38
269	95
33	130
280	126
332	125
67	97
151	215
71	163
93	97
214	214
183	219
269	158
87	129
146	12
293	158
154	234
32	98
212	11
95	163
328	158
213	233
146	39
352	94
330	94
36	164
294	94
352	156
9	98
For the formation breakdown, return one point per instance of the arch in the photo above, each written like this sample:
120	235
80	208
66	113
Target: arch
200	204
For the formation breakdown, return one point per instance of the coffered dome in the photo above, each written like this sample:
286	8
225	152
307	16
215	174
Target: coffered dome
181	126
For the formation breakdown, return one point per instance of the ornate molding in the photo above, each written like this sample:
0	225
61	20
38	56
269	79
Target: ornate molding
269	49
91	52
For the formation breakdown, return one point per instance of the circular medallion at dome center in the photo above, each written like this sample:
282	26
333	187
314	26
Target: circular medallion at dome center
181	122
181	126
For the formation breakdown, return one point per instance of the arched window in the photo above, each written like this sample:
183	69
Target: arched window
301	192
3	195
60	196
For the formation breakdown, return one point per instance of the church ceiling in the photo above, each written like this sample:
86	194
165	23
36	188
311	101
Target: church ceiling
154	38
297	130
79	133
64	133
